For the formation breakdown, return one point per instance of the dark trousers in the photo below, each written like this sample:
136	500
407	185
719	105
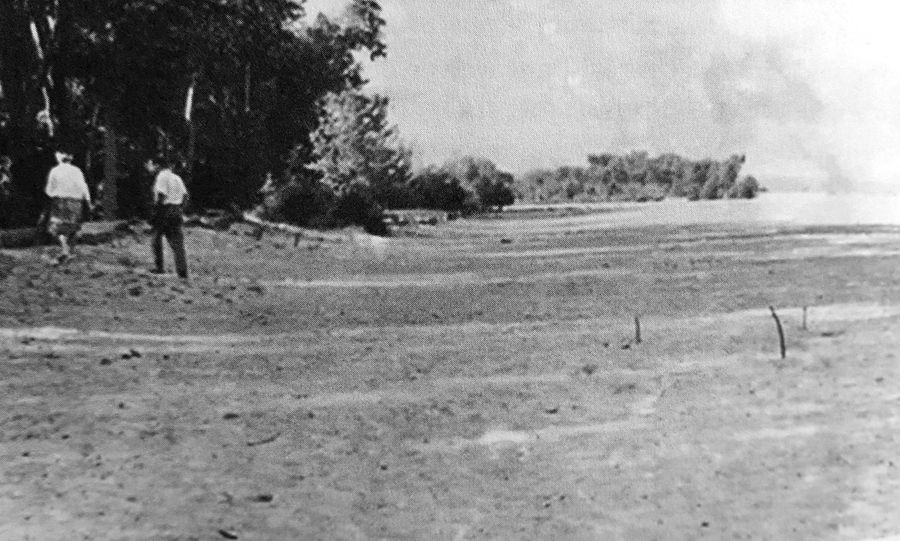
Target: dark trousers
167	223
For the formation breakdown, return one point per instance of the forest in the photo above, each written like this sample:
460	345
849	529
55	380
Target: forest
243	94
638	177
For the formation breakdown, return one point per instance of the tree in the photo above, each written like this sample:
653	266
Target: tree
633	176
491	187
721	177
358	157
355	147
747	188
230	86
438	188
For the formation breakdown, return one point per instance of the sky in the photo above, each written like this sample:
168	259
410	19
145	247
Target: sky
807	89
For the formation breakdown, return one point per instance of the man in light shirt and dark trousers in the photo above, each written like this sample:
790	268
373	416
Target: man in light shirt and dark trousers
169	195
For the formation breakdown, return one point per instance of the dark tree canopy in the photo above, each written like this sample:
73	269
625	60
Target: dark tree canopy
229	86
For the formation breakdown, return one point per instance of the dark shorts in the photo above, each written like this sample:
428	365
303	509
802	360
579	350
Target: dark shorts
65	216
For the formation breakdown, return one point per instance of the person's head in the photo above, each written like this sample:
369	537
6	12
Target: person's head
62	156
158	163
151	166
5	163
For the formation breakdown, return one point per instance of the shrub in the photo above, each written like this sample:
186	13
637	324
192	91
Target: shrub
357	207
439	189
651	192
746	188
495	191
691	192
303	201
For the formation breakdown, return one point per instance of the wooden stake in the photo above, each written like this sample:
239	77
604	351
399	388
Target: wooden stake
780	332
637	330
804	318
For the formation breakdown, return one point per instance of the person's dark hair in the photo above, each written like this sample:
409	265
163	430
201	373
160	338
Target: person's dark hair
166	161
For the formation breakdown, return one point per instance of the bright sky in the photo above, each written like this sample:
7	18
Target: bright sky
806	88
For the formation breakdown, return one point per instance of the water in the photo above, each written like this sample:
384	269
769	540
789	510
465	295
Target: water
813	209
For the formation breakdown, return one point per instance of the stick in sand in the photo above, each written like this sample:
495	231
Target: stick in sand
780	332
264	441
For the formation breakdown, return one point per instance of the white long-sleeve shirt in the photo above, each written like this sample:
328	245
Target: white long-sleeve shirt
67	181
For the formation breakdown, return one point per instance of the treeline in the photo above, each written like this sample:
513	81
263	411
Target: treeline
360	167
260	106
263	108
231	89
638	177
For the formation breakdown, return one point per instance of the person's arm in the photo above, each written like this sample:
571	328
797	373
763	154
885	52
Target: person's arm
85	191
50	188
159	199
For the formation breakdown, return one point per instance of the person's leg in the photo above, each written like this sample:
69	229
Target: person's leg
175	237
72	238
64	244
158	250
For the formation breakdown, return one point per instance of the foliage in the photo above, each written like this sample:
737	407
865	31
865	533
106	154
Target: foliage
438	188
359	166
303	201
357	190
355	150
631	177
491	187
651	192
466	184
230	86
357	206
746	188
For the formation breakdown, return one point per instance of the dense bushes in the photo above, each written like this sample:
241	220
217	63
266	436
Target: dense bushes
746	188
308	202
302	201
466	185
346	187
633	177
439	189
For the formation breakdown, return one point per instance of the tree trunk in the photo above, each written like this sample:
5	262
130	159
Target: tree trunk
110	174
188	172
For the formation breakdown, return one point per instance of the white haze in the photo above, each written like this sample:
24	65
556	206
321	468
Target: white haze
807	89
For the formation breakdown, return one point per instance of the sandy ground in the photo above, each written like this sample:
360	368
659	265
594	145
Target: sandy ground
477	380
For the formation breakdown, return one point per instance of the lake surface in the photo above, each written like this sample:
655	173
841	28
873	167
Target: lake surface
769	208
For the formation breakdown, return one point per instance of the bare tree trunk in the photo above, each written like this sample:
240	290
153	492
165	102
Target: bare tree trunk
110	174
247	88
192	133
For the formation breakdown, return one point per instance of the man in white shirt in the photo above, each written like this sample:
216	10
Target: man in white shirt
69	198
169	195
